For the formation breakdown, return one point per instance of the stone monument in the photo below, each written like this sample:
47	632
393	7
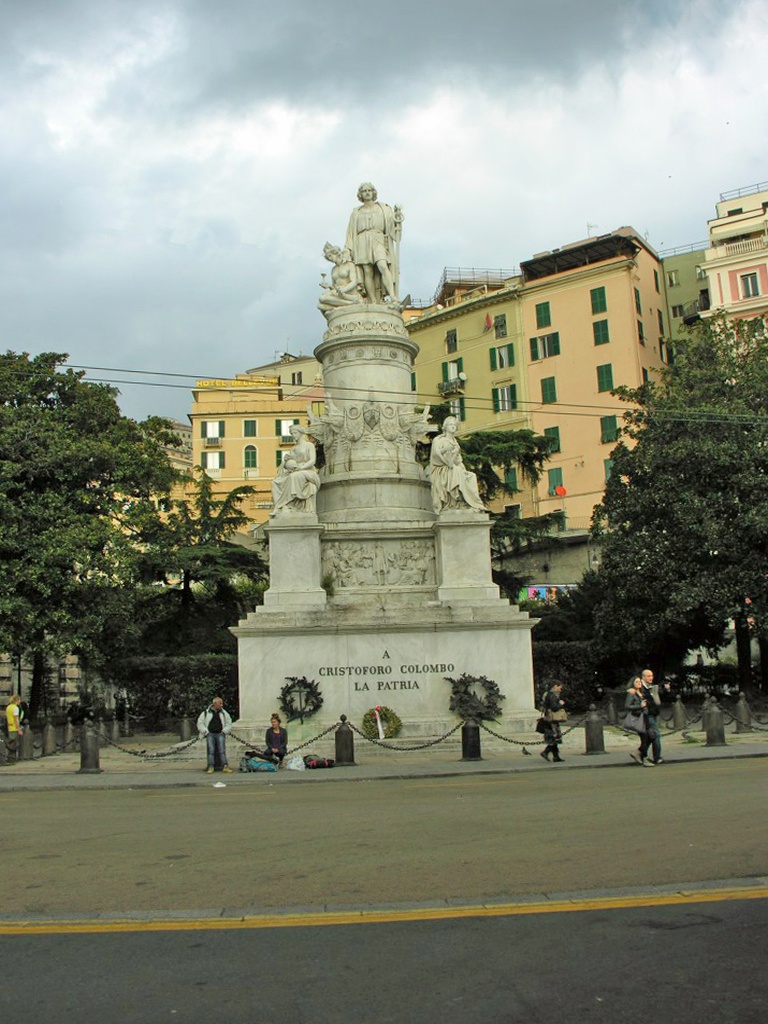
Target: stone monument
380	572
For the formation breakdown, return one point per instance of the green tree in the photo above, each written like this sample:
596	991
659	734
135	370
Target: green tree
684	520
77	487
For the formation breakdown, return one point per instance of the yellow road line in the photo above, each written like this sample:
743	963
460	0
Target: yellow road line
96	927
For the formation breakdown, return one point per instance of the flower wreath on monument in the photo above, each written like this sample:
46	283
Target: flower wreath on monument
300	698
466	701
390	723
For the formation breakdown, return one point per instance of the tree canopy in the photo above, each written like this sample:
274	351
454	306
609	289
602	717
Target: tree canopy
684	520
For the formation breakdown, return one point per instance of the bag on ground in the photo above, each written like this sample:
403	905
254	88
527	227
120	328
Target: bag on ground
313	761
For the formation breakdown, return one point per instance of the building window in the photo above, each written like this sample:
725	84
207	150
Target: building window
504	399
545	345
673	278
701	274
660	316
543	315
646	377
678	312
548	391
249	428
656	280
553	433
554	480
500	325
605	377
600	331
212	429
250	457
283	429
297	378
598	300
212	460
609	429
503	357
457	409
640	332
451	342
510	479
607	468
638	303
749	286
666	352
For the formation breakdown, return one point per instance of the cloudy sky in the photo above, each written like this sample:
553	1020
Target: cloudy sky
170	169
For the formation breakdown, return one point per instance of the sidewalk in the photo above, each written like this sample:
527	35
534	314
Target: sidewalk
123	768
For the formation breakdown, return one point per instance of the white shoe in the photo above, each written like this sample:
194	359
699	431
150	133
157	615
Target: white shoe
648	763
635	757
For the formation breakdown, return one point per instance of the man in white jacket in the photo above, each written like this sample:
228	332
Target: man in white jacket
214	723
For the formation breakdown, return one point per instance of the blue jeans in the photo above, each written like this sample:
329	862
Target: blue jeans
217	744
651	738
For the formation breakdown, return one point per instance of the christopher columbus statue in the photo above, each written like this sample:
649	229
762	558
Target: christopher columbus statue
373	242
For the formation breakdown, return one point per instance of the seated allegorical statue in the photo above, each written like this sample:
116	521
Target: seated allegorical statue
344	288
295	487
453	486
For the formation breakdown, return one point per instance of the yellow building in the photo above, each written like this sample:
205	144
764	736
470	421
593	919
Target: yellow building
240	426
737	258
543	349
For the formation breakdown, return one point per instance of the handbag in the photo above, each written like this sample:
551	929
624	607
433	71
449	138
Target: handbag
634	721
541	725
561	715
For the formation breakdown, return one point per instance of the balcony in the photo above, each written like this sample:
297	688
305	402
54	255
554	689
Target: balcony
740	247
250	473
454	386
212	442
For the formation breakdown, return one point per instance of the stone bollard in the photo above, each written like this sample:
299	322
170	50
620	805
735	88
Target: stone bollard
742	715
185	729
715	725
89	750
611	715
27	745
679	721
114	731
345	744
470	741
49	739
593	732
69	736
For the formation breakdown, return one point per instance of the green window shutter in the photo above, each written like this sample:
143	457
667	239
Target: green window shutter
296	422
493	359
555	343
513	395
202	429
278	458
598	300
496	402
445	371
413	382
222	428
534	349
605	377
249	428
222	460
548	390
600	331
511	353
250	458
543	314
462	410
510	479
460	365
278	429
656	279
609	429
608	466
638	303
553	433
554	479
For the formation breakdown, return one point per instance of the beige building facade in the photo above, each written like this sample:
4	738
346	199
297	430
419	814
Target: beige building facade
542	349
737	258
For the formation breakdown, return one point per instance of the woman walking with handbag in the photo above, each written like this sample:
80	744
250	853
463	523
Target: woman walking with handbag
554	714
636	706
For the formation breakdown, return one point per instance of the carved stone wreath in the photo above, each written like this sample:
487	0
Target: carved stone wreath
391	723
467	703
300	698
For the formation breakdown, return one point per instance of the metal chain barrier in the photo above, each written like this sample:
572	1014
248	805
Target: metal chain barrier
390	746
307	743
530	743
178	749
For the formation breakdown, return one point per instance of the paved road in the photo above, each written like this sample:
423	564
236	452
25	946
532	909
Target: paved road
260	847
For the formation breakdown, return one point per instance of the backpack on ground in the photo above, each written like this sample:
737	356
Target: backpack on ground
313	761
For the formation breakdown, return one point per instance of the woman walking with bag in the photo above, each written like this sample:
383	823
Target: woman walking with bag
554	714
636	706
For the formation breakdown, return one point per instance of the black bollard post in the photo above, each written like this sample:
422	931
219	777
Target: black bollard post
613	718
69	736
743	715
593	732
185	729
89	750
49	739
715	725
470	741
345	745
679	721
